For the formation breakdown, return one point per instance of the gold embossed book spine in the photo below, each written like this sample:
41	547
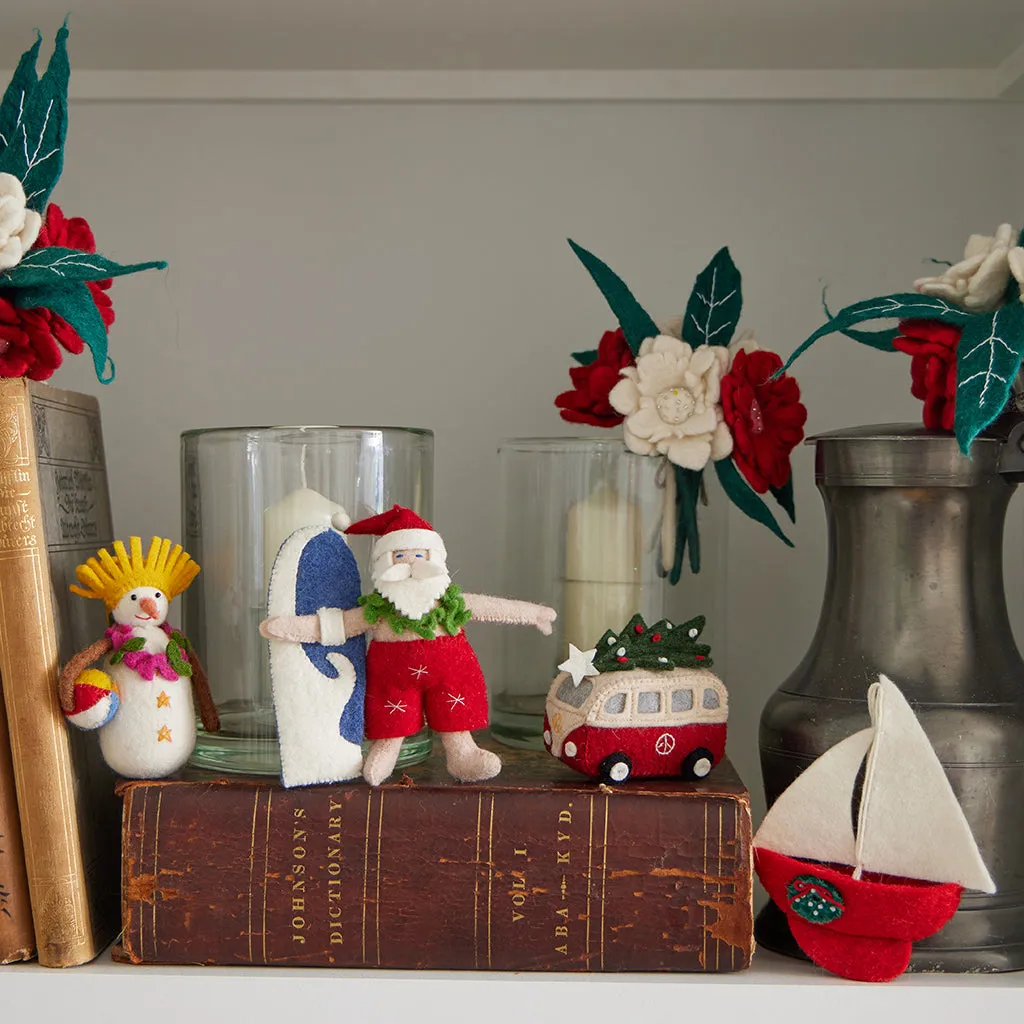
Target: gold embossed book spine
17	938
536	870
53	503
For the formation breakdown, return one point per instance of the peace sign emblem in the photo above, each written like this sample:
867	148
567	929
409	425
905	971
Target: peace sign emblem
665	743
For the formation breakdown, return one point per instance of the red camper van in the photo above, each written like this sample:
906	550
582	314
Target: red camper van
638	724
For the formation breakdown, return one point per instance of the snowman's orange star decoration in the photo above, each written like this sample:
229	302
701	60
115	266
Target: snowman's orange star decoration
163	700
163	734
579	664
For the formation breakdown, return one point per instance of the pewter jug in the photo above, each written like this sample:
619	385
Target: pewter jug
915	591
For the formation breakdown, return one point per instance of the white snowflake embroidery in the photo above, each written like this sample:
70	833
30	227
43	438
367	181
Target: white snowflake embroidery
455	700
396	705
418	672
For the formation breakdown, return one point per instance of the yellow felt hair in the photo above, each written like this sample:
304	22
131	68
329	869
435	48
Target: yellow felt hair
108	578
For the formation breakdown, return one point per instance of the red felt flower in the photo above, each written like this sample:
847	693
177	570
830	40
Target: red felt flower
932	345
75	233
588	401
31	339
764	415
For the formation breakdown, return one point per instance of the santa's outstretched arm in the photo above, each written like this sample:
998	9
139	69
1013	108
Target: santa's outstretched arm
487	608
330	626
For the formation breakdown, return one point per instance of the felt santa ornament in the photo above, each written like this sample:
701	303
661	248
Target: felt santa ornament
419	664
141	701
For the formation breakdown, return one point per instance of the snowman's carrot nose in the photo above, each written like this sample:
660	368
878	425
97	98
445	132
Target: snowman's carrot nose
149	606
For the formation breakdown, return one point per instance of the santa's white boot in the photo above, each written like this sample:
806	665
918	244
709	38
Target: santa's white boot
381	760
466	761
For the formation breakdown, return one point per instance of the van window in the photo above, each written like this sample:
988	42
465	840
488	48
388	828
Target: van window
615	704
648	702
682	700
710	699
574	696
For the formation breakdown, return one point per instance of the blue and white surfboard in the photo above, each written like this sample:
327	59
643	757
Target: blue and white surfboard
318	690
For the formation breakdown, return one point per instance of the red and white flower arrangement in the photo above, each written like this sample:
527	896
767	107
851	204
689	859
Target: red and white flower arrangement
963	330
692	393
53	283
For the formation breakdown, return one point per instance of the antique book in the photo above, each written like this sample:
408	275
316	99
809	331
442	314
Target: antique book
17	938
538	869
54	512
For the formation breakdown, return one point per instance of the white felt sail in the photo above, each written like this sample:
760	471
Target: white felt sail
813	817
909	823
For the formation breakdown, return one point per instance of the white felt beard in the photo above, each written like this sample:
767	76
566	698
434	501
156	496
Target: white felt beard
412	587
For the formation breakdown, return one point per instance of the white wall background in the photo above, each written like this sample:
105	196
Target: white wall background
406	264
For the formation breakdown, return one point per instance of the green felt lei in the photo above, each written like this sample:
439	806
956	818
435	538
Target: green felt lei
450	615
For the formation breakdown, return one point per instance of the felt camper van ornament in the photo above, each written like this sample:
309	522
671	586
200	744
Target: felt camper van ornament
868	850
643	703
141	700
419	665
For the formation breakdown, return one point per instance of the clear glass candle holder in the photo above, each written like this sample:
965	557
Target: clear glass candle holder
580	524
244	491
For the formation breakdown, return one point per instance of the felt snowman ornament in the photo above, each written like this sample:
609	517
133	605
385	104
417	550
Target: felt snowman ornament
141	701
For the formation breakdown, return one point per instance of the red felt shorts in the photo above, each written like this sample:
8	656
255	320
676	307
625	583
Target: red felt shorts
441	677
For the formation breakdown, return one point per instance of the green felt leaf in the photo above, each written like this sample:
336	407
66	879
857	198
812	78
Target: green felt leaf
21	85
746	499
688	484
784	496
74	302
988	358
136	643
176	658
875	339
56	265
585	358
633	319
716	300
35	155
885	307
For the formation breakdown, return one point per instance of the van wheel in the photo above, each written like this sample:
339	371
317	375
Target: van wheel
615	768
698	763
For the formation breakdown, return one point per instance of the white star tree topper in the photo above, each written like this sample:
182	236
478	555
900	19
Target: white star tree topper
579	664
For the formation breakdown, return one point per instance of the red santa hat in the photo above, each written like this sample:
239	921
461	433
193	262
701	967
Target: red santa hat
397	529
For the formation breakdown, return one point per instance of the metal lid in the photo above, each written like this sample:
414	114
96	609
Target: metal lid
902	455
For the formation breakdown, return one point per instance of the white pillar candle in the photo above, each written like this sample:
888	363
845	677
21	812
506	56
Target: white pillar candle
303	507
603	548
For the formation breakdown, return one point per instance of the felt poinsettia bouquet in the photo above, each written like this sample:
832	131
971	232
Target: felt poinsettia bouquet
963	330
692	393
53	283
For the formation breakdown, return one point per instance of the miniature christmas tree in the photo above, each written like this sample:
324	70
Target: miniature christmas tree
661	647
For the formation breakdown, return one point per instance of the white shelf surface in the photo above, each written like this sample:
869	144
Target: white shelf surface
773	989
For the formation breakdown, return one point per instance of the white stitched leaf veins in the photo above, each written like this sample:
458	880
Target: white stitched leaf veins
988	373
37	259
712	304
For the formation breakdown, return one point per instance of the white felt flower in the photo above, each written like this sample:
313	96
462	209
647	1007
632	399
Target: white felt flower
671	401
19	226
978	281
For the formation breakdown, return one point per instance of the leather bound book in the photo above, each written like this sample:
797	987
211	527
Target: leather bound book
54	512
539	869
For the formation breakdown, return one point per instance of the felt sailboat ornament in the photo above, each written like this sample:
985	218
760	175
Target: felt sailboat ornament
860	880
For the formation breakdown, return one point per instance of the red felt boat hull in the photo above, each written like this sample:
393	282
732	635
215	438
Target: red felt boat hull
879	917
